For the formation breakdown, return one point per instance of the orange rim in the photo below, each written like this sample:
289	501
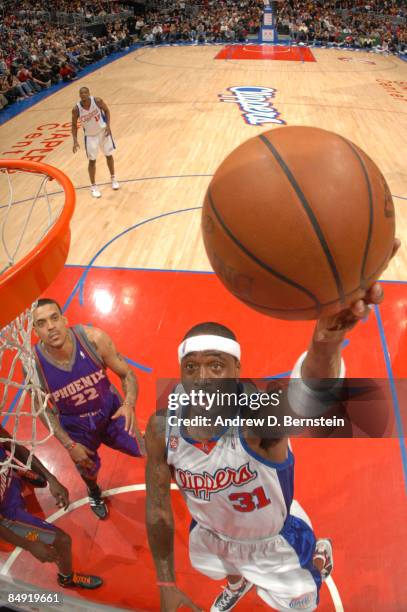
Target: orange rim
27	279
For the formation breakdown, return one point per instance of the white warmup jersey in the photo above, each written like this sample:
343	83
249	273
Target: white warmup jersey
228	488
92	119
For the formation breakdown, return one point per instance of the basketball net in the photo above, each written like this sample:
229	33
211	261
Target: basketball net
33	248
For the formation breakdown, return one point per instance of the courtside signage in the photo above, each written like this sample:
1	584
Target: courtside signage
255	103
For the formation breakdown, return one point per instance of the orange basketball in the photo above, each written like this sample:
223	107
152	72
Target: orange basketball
298	222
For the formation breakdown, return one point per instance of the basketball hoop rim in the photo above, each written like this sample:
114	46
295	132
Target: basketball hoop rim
27	279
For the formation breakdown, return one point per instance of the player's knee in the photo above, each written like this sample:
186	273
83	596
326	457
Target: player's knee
63	540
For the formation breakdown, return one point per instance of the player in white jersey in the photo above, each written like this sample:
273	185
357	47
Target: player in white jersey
238	485
94	116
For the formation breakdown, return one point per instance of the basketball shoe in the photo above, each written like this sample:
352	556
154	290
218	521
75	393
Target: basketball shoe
229	598
95	192
115	183
323	552
84	581
97	504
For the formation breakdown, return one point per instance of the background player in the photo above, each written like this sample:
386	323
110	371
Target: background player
44	541
222	476
87	410
94	116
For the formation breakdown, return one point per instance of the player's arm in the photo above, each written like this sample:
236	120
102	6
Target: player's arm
78	453
99	102
159	516
323	359
112	359
75	117
21	453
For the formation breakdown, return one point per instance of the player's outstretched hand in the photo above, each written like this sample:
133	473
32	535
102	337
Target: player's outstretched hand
173	598
60	493
82	456
334	327
76	147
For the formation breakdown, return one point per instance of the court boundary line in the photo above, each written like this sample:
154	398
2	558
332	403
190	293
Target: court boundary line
395	402
333	591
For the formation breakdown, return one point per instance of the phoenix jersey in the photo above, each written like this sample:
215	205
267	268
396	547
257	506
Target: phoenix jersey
229	488
92	119
80	388
6	480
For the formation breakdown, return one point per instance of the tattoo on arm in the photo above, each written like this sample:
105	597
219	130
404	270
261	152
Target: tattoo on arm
160	525
56	426
159	517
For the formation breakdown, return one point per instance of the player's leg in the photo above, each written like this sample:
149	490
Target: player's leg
90	438
108	147
115	435
89	476
42	534
91	148
285	574
206	553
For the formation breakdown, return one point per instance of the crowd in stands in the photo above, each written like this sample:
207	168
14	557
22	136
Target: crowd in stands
36	51
360	24
213	21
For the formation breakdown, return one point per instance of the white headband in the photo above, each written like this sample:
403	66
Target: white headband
207	343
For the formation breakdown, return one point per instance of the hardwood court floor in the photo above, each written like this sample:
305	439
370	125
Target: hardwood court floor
169	122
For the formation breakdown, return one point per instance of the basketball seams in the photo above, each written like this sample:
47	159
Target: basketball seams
371	211
254	258
310	214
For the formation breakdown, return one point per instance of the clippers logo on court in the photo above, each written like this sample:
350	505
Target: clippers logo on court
204	485
254	102
303	602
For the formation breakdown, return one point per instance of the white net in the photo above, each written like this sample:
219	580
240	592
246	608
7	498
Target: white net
24	221
22	400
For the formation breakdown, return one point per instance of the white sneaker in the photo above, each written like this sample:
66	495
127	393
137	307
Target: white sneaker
228	599
95	192
115	184
323	551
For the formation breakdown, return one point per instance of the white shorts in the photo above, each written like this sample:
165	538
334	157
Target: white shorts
100	141
280	566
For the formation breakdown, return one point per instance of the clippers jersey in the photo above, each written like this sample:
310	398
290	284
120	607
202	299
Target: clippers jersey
81	388
228	488
92	119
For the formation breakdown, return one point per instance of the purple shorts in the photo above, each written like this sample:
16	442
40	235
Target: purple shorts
14	516
95	428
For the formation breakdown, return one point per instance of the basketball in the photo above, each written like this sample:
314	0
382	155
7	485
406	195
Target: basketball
298	222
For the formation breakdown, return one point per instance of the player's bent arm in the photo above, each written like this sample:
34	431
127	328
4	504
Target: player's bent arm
75	116
99	102
114	360
52	423
159	517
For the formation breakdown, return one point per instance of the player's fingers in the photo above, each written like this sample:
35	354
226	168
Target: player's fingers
117	414
375	294
396	246
88	451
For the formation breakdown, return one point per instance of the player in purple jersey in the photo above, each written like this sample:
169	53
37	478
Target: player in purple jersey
44	541
85	409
